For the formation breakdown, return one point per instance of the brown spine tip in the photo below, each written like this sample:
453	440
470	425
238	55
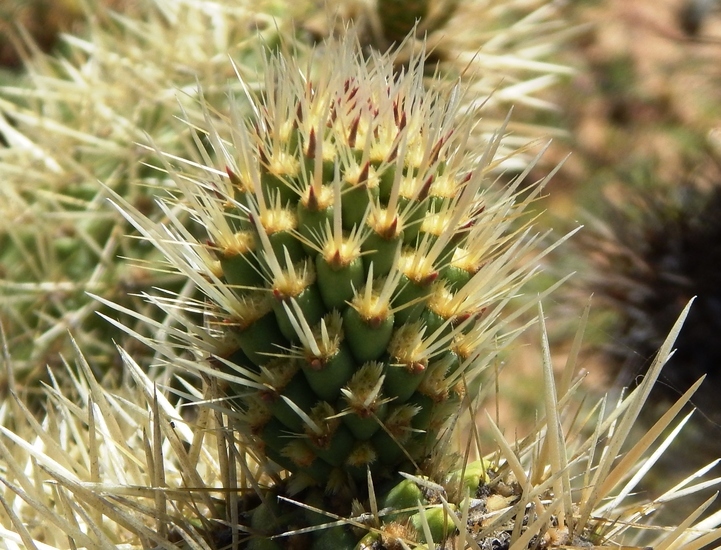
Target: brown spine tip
310	150
353	134
298	120
234	179
429	279
472	221
393	154
466	226
269	396
438	146
416	367
399	114
391	230
364	173
403	121
425	188
216	191
393	227
263	156
312	202
351	93
375	321
436	150
336	259
460	319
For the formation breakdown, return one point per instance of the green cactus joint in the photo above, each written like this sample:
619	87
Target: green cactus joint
440	526
469	478
258	338
366	406
338	275
305	296
380	247
360	189
279	171
335	538
287	383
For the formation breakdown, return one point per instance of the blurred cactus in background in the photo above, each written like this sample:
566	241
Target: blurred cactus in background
652	255
399	18
79	120
653	252
42	19
693	14
642	179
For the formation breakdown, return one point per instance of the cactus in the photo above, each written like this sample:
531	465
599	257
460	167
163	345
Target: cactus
356	264
128	468
504	51
85	116
398	18
355	268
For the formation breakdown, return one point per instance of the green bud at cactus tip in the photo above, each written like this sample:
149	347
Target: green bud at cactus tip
434	521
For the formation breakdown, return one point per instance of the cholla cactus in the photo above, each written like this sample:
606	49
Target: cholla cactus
650	254
357	263
398	18
354	263
78	120
655	251
44	20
